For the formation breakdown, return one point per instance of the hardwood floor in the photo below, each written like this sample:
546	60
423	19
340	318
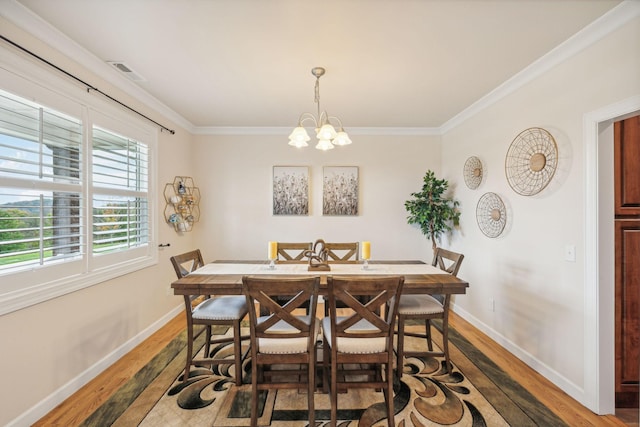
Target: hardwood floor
74	410
566	408
83	403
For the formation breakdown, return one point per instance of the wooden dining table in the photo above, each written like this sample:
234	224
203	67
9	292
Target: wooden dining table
225	277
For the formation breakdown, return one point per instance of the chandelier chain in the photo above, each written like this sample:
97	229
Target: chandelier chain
317	96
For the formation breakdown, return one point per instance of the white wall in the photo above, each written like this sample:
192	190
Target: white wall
51	349
539	296
236	210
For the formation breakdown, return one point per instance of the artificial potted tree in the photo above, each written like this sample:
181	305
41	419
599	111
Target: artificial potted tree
431	209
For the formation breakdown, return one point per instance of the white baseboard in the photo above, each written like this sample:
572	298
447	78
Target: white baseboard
572	389
54	399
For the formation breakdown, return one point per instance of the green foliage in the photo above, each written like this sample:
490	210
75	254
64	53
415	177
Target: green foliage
21	228
431	210
16	228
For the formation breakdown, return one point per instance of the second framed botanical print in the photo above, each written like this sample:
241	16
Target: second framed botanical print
340	190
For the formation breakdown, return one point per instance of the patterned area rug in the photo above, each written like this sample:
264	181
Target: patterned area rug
475	393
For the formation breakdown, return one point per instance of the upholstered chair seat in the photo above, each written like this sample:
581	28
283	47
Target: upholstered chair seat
221	308
285	345
356	345
419	304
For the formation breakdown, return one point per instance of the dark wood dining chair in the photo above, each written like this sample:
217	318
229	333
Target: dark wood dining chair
221	310
358	345
281	337
343	252
292	252
428	307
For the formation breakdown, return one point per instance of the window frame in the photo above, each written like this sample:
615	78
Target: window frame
20	289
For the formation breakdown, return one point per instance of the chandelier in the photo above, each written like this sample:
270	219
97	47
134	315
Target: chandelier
325	132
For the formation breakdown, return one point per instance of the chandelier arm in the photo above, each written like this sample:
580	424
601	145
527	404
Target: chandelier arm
329	118
307	116
323	118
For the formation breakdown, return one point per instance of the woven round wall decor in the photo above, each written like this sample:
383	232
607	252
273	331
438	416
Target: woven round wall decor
531	161
472	172
491	215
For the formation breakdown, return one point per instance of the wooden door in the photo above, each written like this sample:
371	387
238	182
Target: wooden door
627	259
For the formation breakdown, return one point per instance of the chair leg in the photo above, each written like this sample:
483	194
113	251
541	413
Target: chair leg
207	342
189	353
445	333
325	366
255	394
400	348
187	304
311	381
388	392
237	352
445	343
333	392
427	328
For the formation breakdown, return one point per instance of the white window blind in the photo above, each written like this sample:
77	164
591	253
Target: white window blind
120	185
40	199
119	162
37	142
119	223
75	204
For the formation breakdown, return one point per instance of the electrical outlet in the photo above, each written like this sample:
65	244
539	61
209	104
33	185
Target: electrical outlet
570	253
169	291
492	305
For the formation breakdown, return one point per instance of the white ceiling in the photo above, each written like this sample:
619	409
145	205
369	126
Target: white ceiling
390	63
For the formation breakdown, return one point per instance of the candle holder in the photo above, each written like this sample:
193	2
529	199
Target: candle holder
273	255
366	254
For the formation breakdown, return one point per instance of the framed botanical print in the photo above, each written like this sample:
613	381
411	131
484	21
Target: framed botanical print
291	190
340	190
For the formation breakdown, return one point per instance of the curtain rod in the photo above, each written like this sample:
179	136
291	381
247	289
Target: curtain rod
89	87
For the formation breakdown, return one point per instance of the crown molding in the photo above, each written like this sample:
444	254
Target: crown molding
36	26
408	131
221	130
598	29
237	130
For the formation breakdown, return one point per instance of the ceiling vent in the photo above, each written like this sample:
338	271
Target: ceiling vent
127	71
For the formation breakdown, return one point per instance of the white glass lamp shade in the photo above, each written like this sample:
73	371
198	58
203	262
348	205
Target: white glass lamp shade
326	132
299	137
324	145
342	138
298	144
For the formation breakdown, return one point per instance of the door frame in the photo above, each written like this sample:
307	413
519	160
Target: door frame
599	309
